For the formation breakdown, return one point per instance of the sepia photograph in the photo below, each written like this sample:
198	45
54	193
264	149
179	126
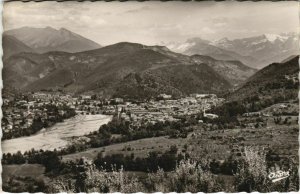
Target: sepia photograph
176	96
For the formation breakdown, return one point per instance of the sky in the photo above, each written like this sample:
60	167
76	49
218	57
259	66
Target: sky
153	23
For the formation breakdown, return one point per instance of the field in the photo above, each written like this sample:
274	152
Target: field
25	170
216	144
140	148
57	136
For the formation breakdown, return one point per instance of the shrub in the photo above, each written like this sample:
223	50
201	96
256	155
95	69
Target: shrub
156	182
90	179
252	171
107	182
187	177
252	174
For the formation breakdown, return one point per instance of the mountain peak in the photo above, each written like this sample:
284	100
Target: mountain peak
221	41
49	27
157	47
64	30
131	45
122	47
274	37
198	40
127	44
67	33
50	39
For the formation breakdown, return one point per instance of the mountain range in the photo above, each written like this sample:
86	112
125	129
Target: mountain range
256	52
115	70
198	46
235	72
122	70
47	39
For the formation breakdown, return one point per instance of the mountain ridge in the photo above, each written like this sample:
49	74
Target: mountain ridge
277	81
12	46
256	51
104	70
49	39
234	72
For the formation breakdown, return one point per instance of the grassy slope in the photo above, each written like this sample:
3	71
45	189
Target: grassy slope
217	144
269	81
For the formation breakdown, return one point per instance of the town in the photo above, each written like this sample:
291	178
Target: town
21	113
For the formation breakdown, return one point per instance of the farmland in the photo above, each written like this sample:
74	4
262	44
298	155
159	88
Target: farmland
216	144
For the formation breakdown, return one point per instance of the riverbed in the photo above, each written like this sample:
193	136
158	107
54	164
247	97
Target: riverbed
58	136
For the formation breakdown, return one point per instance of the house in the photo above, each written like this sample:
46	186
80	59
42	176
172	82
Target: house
283	106
117	100
211	116
86	97
252	114
199	95
165	96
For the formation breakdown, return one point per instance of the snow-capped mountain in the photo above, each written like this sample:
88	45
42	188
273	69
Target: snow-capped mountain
267	48
256	52
198	46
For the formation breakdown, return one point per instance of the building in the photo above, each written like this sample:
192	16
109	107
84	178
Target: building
165	96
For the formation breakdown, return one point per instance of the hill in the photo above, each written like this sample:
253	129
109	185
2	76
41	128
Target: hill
274	80
21	69
273	84
12	46
234	72
49	39
177	80
110	69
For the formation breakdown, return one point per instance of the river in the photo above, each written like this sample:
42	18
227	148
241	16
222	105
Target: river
58	136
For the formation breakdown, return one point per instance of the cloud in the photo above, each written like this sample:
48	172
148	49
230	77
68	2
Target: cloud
152	22
94	21
207	30
144	8
221	24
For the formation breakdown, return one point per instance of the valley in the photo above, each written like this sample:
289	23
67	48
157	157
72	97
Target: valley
77	112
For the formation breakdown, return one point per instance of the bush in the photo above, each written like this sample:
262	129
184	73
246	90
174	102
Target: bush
187	177
156	182
90	179
252	174
252	171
